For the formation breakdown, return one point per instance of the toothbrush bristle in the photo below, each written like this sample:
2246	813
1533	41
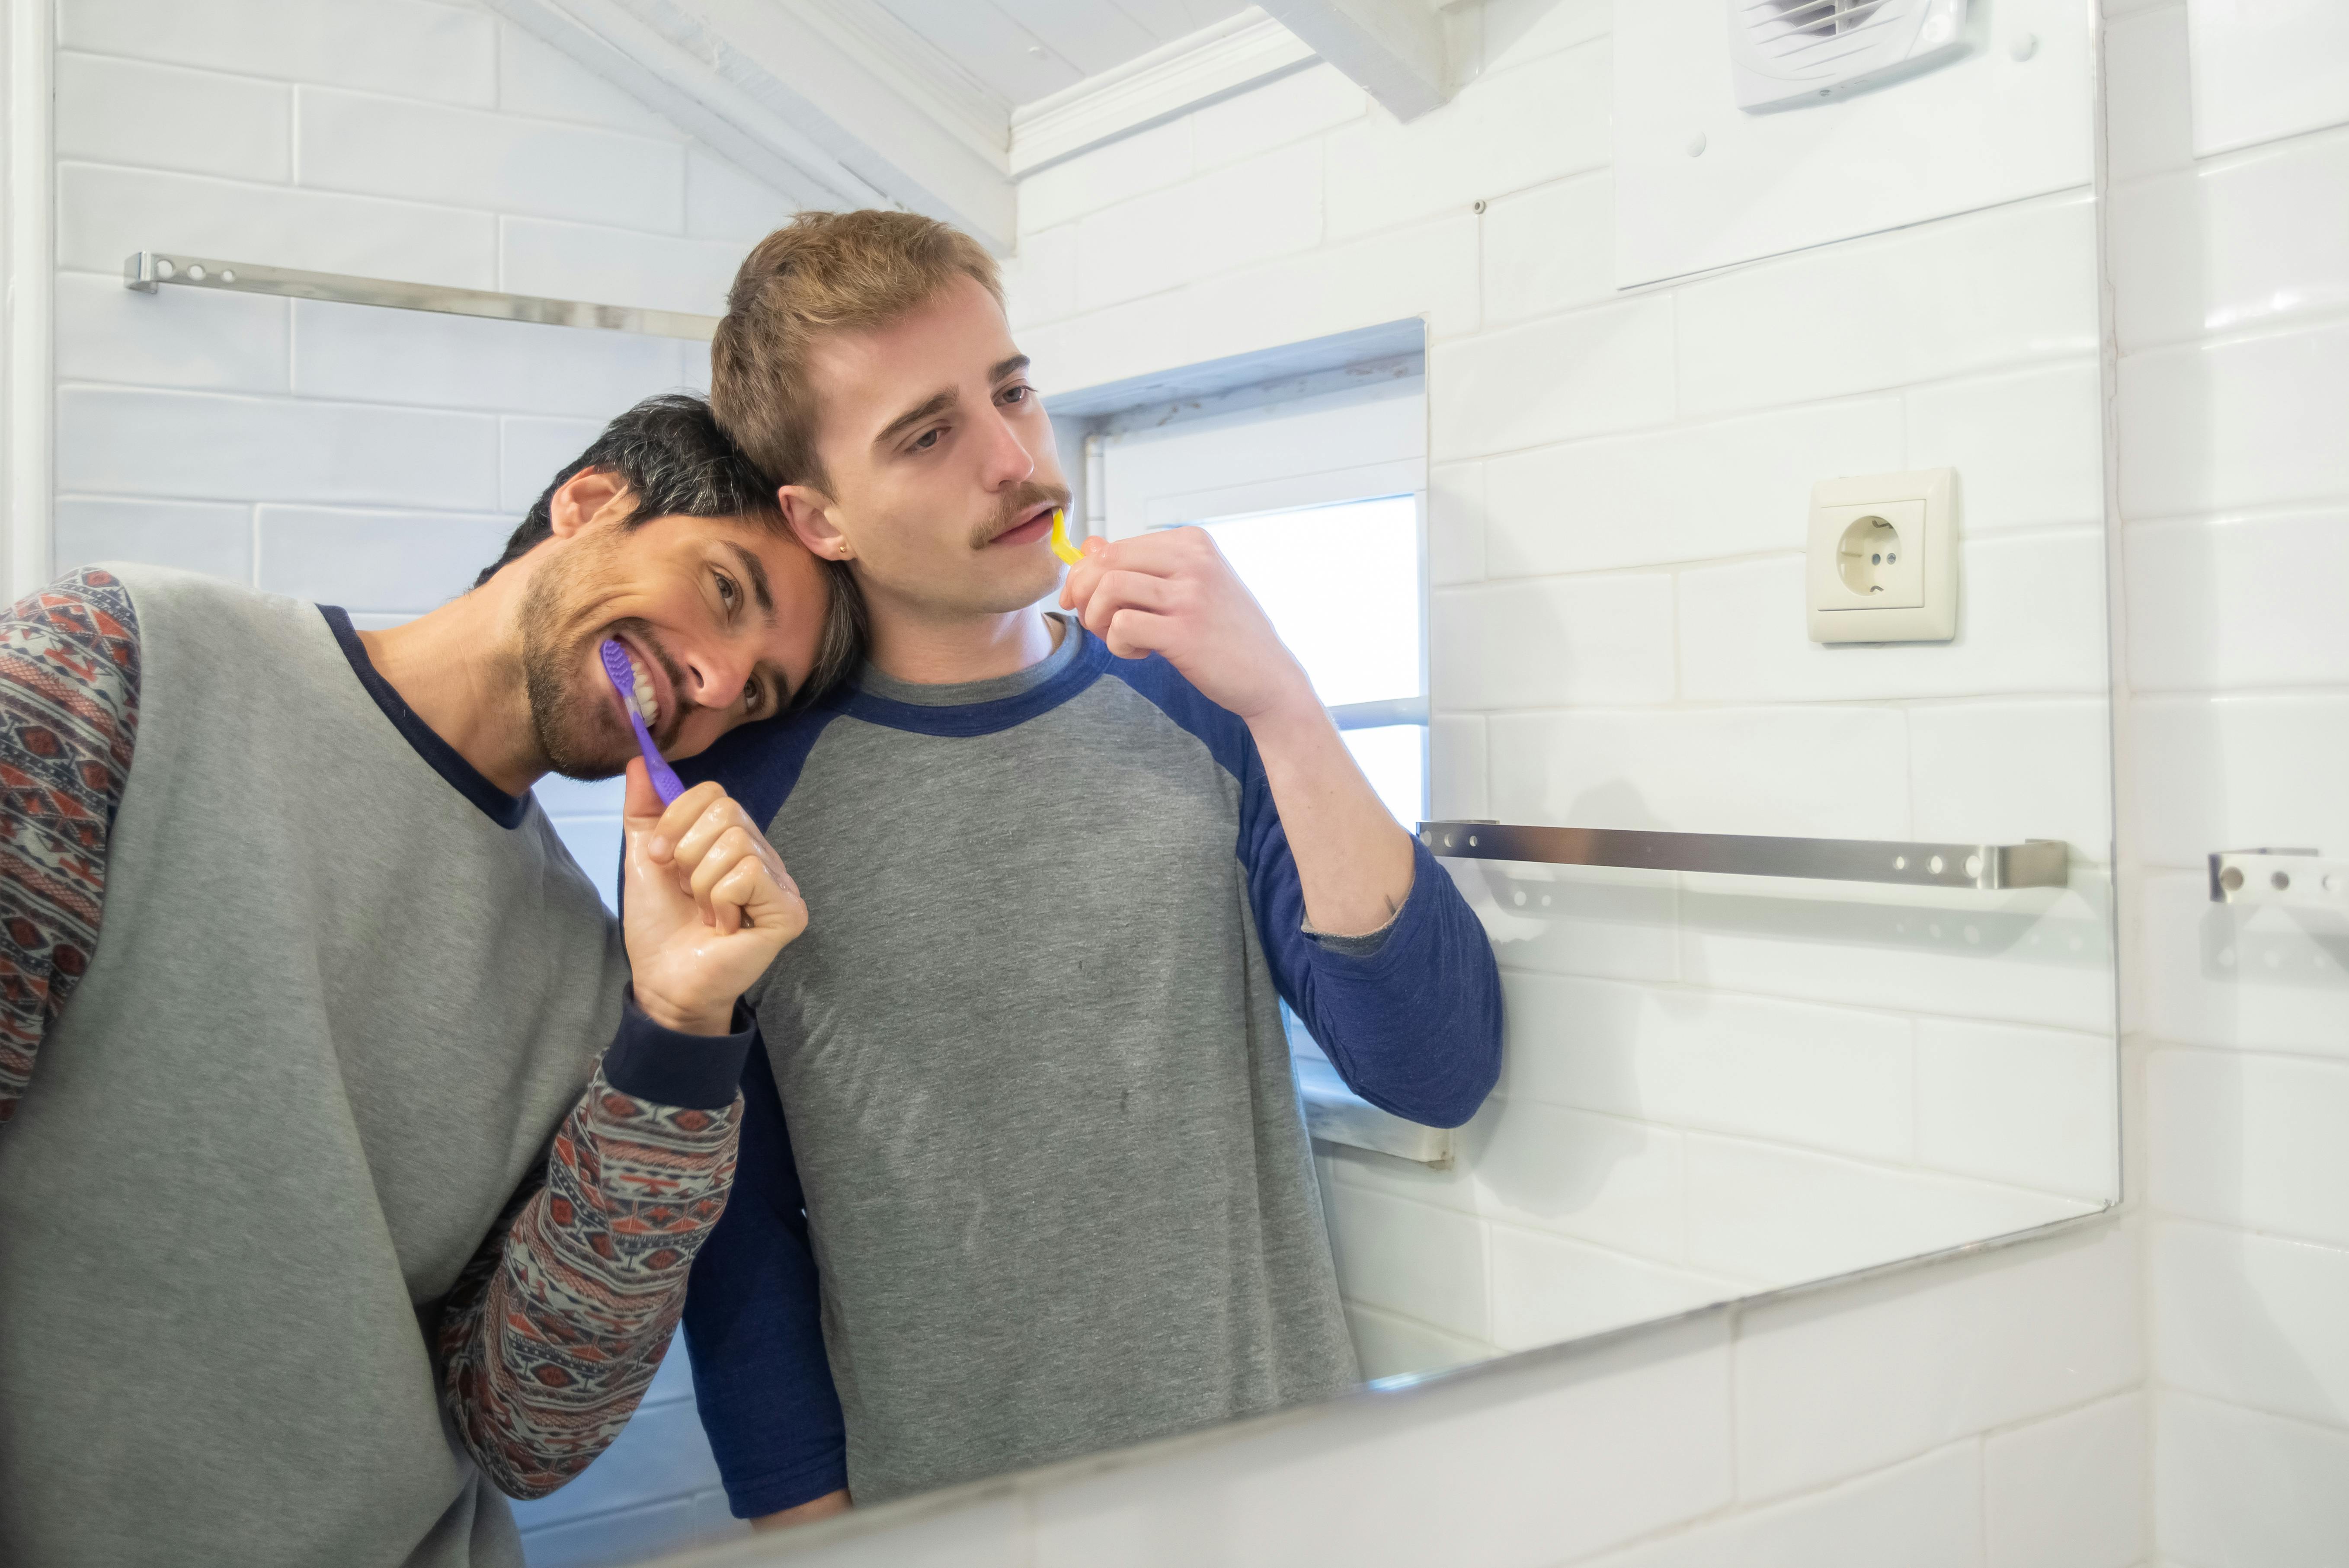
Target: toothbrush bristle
621	671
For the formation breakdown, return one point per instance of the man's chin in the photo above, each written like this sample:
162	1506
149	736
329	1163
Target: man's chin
591	758
590	773
1040	583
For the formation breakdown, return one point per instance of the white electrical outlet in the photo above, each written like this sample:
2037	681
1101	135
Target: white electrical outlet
1884	559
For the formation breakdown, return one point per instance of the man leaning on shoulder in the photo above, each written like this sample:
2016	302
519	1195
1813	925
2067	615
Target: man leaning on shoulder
320	1212
1058	1194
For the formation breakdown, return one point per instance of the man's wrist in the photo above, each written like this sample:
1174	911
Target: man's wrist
654	1062
1289	713
685	1020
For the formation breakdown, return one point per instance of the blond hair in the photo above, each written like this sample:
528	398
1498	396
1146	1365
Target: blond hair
824	271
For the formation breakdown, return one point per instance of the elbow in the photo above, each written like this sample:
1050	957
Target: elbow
497	1436
1469	1065
525	1487
526	1478
1456	1104
1477	1050
528	1487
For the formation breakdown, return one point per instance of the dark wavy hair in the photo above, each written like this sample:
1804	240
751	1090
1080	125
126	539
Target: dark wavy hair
676	463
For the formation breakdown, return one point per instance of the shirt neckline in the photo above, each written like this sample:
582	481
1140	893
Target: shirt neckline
506	810
982	708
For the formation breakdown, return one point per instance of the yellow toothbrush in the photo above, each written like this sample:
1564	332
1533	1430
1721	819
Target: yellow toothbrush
1061	545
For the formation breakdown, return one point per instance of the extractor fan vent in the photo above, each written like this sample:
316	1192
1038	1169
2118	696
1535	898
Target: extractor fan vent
1787	53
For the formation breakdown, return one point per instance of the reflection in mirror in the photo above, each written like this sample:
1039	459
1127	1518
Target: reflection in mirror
1714	1085
1100	1100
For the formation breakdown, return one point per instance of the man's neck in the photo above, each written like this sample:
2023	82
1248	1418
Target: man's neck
921	647
452	668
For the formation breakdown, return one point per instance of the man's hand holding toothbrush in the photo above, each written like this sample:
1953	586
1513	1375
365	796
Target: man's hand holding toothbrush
706	907
1173	594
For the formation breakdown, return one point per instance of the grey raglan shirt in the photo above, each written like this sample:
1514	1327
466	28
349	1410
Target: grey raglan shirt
1058	1193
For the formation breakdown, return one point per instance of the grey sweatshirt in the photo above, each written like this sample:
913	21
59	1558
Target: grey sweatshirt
296	1096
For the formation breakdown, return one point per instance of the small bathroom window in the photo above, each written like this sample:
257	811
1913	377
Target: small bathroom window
1342	586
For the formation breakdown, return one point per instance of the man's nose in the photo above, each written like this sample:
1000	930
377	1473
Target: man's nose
715	677
1009	461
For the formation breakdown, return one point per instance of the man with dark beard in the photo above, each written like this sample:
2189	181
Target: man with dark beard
344	1174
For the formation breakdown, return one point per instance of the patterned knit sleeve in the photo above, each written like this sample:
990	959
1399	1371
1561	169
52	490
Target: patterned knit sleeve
556	1328
69	715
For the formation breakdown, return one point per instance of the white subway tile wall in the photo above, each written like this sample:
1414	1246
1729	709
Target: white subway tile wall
2231	275
1990	1412
1739	1091
1985	1413
377	458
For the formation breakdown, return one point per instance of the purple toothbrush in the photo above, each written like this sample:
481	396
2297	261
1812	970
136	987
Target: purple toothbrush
624	678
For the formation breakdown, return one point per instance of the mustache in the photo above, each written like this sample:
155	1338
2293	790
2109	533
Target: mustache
1022	498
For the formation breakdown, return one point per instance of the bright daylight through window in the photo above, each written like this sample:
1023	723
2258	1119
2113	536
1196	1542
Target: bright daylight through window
1342	586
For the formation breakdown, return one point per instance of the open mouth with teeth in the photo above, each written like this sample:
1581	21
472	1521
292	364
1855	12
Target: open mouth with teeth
647	700
629	672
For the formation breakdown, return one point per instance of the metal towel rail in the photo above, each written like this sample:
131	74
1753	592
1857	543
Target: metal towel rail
145	270
1987	868
2301	877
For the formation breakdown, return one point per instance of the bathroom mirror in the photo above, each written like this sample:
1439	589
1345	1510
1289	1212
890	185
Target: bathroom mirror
1717	1082
1737	1058
1512	408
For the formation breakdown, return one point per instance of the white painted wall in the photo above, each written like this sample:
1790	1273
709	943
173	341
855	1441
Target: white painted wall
369	458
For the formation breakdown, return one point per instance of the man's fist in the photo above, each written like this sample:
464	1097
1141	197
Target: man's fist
1174	593
707	904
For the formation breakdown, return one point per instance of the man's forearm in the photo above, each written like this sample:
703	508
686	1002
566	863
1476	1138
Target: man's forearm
1413	1019
557	1327
1354	863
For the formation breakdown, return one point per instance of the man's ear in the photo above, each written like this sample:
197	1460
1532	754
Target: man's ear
584	497
809	512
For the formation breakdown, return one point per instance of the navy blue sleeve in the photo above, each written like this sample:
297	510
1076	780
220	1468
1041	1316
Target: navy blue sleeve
1414	1026
753	1327
695	1072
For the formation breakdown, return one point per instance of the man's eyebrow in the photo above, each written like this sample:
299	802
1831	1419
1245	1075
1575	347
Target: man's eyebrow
1009	368
755	571
913	417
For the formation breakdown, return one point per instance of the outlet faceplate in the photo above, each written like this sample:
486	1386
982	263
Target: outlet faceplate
1883	558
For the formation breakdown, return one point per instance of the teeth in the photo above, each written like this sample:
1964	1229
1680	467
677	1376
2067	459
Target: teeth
647	704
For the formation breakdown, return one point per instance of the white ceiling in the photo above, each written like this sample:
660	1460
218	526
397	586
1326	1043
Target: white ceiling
939	106
1022	50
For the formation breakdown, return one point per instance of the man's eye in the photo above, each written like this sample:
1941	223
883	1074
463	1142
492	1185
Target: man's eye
727	591
751	696
1017	394
927	439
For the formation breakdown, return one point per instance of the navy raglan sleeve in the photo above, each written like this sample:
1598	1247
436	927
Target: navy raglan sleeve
753	1327
1413	1025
